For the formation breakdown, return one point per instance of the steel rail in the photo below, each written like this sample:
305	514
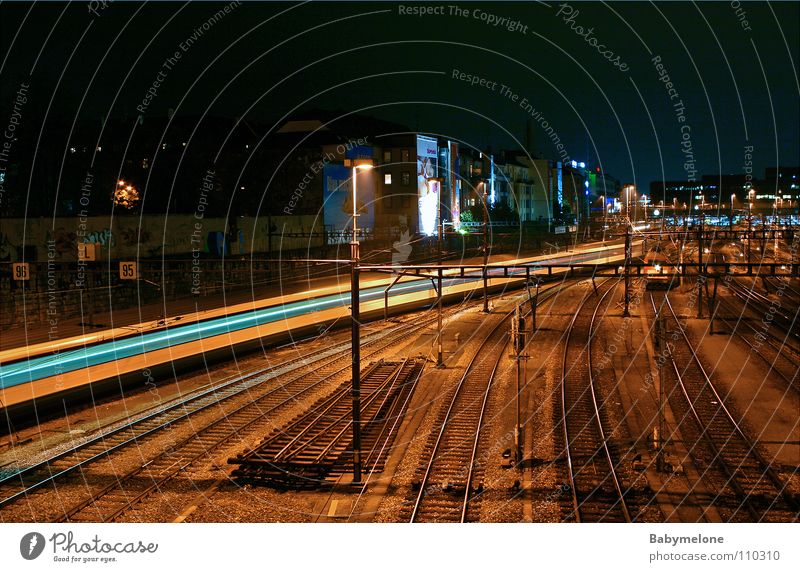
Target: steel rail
599	426
335	355
468	370
775	481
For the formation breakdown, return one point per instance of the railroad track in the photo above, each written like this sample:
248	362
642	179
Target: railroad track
449	484
784	284
452	478
596	488
318	443
724	454
292	380
781	358
764	306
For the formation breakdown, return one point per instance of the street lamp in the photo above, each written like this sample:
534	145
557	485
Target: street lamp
675	212
628	203
355	320
630	190
438	181
485	249
603	198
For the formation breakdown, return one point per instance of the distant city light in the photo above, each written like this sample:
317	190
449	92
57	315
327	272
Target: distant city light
583	165
125	195
656	212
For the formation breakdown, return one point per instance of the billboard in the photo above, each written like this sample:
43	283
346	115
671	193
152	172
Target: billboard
337	192
427	190
454	183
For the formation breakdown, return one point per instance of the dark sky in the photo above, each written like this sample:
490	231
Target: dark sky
739	86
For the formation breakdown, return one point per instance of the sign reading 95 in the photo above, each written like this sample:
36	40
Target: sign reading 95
128	270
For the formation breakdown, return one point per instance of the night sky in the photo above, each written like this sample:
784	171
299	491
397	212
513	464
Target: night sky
599	89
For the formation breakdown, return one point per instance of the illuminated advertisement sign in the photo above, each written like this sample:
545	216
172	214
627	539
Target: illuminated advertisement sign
454	184
491	180
337	189
560	186
427	189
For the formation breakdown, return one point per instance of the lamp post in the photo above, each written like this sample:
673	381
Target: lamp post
438	181
749	231
485	249
630	190
685	217
605	223
628	203
355	324
675	212
644	205
776	224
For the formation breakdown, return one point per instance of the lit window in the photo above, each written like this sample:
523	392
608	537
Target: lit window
405	178
387	156
387	178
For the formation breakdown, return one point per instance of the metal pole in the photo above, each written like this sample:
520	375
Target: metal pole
439	359
626	312
662	341
517	444
485	253
518	331
355	339
700	269
713	307
730	222
749	230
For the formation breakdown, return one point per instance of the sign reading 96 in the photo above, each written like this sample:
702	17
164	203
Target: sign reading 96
21	271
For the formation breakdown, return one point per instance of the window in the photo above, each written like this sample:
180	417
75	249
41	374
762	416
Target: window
406	156
389	202
387	178
387	156
405	178
405	201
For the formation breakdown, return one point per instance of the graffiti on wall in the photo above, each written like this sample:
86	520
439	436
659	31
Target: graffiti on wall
103	237
6	248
